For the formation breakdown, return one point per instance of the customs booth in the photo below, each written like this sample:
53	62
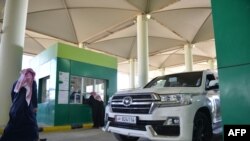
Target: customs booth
66	75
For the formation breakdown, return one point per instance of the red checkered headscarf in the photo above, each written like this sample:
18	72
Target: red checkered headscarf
26	79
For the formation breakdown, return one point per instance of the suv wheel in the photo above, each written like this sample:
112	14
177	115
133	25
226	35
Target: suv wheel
202	130
120	137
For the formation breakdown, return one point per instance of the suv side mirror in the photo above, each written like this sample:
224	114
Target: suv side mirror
213	84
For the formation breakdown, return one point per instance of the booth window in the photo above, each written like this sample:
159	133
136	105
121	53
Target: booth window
81	87
43	89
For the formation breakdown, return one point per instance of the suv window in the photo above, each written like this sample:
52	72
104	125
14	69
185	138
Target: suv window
208	79
190	79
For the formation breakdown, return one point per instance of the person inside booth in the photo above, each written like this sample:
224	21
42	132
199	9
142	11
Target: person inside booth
96	103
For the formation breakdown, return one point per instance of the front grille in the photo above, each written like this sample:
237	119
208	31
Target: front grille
138	103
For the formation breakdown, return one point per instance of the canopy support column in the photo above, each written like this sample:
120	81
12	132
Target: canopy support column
211	64
11	51
188	57
142	49
132	73
163	71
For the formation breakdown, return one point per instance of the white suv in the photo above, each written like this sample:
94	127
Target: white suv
176	107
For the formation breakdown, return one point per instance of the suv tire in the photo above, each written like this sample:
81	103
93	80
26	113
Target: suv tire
202	130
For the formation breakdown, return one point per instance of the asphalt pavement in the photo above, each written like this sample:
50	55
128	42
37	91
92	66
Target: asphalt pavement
90	135
80	135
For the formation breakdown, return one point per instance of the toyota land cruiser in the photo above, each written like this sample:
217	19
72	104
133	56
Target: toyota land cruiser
176	107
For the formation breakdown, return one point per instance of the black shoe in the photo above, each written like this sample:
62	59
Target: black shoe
43	139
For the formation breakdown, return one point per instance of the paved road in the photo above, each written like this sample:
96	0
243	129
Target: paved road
80	135
88	135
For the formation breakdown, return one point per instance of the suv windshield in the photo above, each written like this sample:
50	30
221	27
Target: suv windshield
189	79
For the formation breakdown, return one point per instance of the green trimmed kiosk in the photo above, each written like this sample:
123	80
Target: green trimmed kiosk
66	75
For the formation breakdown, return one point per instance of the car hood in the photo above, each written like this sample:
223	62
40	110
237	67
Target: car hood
166	90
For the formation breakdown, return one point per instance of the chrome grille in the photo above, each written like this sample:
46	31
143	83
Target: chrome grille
133	103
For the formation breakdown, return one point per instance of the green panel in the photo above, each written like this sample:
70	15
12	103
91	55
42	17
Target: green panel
62	114
231	24
235	96
82	55
63	65
84	69
61	110
72	114
79	114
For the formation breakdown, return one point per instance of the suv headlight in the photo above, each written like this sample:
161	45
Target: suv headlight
109	101
176	99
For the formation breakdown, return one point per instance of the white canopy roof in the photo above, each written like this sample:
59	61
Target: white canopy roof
109	26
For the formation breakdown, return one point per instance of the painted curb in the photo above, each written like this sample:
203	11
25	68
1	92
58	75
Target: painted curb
65	127
60	128
1	130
